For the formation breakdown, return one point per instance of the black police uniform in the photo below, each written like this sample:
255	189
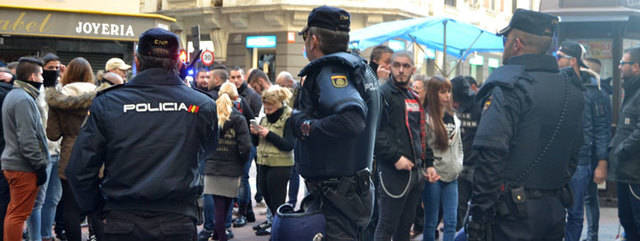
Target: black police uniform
343	106
527	144
147	133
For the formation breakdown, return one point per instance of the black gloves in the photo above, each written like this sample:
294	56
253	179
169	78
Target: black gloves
41	174
50	78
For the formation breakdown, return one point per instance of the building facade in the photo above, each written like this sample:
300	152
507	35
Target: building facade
263	33
98	32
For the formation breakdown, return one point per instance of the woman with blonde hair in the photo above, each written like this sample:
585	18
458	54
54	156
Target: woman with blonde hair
275	149
222	173
68	107
443	136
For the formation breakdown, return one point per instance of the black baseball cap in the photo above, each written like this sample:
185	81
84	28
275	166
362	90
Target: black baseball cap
573	49
532	22
331	18
158	38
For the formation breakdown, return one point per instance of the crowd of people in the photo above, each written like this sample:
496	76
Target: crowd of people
385	154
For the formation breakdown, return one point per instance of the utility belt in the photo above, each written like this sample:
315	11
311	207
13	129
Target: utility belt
513	200
350	195
362	178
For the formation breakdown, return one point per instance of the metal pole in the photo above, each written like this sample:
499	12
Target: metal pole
444	50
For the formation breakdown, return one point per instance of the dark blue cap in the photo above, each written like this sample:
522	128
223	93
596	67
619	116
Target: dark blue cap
532	22
331	18
160	43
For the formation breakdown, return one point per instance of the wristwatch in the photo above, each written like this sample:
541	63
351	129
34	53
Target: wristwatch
305	128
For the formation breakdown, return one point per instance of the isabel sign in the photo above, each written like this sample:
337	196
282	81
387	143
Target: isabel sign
76	24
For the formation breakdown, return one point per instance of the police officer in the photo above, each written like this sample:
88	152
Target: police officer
462	88
527	140
147	134
335	123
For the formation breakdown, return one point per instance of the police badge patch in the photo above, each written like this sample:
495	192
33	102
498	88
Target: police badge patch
339	81
487	103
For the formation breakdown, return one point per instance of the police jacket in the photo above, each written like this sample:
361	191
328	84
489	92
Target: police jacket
232	152
469	114
147	133
527	134
340	97
596	120
401	132
624	161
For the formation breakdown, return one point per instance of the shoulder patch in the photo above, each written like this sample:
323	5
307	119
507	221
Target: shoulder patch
486	104
339	81
110	88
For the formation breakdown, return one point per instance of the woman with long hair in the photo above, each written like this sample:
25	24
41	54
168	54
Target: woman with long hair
222	173
275	149
68	107
443	136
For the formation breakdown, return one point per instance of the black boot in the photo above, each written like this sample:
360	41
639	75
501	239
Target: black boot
251	217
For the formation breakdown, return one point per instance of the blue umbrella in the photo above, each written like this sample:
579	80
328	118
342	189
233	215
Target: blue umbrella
448	35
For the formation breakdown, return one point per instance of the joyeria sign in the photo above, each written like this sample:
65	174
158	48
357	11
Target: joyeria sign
76	24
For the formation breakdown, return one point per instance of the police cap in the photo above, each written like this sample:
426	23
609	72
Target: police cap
532	22
160	43
331	18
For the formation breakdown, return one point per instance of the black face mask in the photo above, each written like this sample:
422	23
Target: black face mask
34	84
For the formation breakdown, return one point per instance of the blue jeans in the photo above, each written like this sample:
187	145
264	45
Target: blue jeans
434	195
629	209
244	194
209	213
575	214
592	207
294	186
34	221
54	193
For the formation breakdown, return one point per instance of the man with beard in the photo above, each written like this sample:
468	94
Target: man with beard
335	122
596	133
400	152
528	138
624	164
203	77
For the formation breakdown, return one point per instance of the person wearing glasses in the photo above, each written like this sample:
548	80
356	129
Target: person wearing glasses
528	138
334	121
596	126
624	161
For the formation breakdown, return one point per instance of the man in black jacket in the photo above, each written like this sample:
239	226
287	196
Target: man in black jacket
335	122
624	164
151	180
528	138
400	152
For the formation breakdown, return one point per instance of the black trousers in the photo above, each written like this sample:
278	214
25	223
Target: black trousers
346	203
73	217
544	221
147	226
464	194
4	202
397	214
273	184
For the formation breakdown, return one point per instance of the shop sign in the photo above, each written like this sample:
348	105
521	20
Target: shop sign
493	63
75	24
476	60
261	42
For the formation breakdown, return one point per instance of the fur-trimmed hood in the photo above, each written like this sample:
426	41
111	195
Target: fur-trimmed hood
595	77
78	95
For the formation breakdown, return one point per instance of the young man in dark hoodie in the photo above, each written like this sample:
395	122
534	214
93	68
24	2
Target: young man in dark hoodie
25	156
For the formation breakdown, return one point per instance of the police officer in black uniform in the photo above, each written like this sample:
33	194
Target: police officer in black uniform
147	134
335	123
527	140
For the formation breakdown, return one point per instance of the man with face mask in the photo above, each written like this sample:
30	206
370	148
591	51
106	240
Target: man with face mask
624	163
334	121
528	138
400	152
